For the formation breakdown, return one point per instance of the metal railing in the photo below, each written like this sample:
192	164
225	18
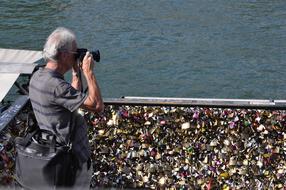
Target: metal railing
198	102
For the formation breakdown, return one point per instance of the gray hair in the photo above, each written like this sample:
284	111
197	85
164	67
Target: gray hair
60	39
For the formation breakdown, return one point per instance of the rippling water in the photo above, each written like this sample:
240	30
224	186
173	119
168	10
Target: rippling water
169	48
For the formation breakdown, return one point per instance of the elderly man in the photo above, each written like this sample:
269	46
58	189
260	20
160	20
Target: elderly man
54	100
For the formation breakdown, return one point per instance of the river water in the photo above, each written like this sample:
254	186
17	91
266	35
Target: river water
165	48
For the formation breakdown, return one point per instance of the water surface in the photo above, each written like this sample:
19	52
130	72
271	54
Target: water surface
167	48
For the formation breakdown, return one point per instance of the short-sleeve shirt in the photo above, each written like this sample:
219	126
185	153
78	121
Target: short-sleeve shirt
54	102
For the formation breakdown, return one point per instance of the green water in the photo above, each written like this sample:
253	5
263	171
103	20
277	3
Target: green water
167	48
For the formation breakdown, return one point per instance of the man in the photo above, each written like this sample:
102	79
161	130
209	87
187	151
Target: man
55	101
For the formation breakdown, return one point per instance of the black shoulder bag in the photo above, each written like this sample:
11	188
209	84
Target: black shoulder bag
42	162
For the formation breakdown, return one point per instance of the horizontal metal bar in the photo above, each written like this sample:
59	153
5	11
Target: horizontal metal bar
203	102
195	99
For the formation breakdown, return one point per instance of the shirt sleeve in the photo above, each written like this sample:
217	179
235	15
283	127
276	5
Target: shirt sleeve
68	97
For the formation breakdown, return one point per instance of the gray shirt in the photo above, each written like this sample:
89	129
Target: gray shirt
54	101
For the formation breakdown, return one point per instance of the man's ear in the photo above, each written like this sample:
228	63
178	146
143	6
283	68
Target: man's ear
61	56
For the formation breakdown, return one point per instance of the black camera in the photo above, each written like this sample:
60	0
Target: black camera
82	51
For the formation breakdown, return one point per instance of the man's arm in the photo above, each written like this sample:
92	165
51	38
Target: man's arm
93	101
75	78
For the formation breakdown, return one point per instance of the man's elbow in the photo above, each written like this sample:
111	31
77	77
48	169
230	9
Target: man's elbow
93	106
96	107
99	107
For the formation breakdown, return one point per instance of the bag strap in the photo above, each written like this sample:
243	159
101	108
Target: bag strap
28	138
71	131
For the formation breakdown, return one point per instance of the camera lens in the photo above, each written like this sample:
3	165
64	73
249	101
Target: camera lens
82	51
96	55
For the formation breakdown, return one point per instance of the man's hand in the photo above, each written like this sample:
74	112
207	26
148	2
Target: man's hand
87	64
94	101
